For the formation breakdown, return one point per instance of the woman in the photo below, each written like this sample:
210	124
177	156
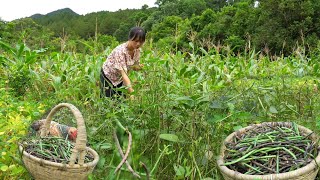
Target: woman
125	57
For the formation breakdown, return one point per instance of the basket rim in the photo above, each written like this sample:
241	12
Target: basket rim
312	166
61	165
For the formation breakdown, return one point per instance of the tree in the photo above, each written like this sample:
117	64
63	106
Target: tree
121	34
167	28
2	27
26	31
230	24
283	24
216	5
191	7
162	2
199	22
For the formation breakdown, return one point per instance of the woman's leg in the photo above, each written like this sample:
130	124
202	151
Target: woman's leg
107	89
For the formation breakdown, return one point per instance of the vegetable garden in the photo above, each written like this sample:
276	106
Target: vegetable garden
185	105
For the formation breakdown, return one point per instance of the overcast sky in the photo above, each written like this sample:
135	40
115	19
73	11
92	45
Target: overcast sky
14	9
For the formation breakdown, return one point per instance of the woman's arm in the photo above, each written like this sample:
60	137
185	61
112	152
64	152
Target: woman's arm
137	66
126	81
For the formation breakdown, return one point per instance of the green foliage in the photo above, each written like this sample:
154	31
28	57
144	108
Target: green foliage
268	26
15	116
59	20
107	41
285	24
273	27
19	82
28	32
216	5
182	9
199	22
191	7
123	31
167	28
193	92
18	61
85	26
177	120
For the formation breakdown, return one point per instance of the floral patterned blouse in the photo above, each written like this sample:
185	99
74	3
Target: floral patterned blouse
120	59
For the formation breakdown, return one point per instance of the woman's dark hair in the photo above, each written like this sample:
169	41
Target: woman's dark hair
137	33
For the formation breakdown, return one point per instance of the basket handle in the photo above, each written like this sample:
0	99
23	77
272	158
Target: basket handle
81	141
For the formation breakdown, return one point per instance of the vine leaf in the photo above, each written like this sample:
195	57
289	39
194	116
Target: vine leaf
169	137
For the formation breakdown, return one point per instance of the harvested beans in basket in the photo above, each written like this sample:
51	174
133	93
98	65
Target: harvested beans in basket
270	150
55	149
54	158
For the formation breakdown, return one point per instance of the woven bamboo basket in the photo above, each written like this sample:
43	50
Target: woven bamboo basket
42	169
308	172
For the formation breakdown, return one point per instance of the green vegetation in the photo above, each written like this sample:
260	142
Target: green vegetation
271	27
185	106
207	73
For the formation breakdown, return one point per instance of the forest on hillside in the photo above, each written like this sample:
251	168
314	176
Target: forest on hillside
271	27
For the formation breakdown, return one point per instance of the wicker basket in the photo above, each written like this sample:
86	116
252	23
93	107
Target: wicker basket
44	169
308	172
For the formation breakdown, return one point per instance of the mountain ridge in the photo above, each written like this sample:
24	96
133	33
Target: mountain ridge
54	13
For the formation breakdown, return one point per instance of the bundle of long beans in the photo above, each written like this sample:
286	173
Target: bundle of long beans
269	150
55	149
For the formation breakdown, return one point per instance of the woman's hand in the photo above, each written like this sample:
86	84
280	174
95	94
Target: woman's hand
130	90
137	67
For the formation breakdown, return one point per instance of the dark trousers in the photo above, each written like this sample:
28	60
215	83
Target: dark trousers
107	88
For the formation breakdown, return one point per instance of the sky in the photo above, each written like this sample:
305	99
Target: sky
15	9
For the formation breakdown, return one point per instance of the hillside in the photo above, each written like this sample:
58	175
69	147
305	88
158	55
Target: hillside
67	12
109	23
